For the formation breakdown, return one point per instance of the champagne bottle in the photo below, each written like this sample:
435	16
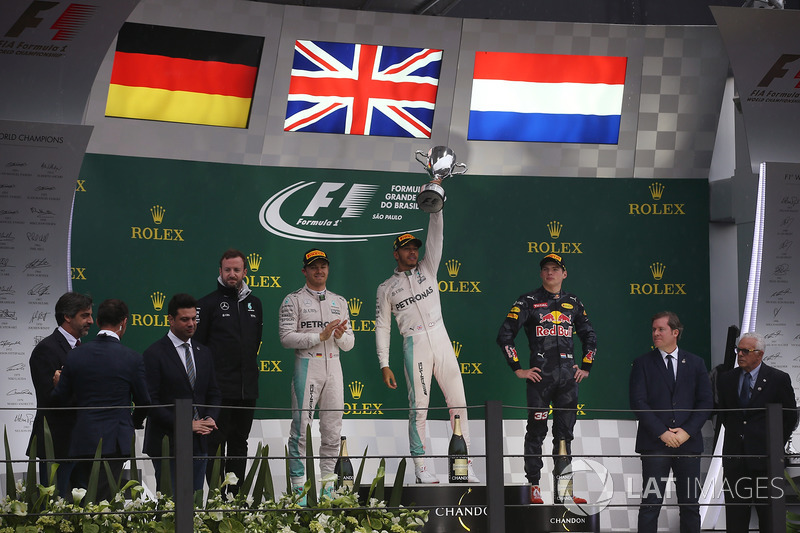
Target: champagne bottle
457	455
344	468
562	483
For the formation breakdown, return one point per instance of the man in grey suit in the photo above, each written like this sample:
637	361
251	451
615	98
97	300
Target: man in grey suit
74	318
107	377
671	393
177	366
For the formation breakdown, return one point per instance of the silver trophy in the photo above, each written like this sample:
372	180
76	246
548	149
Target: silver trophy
440	162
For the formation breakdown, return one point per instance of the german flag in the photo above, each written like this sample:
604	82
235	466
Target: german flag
183	75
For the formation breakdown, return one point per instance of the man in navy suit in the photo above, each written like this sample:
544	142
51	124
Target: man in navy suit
743	394
670	391
103	375
179	367
74	318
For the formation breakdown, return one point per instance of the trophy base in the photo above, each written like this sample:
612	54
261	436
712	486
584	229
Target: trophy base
431	198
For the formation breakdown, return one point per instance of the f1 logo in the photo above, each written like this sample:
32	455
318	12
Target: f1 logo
68	24
778	71
29	19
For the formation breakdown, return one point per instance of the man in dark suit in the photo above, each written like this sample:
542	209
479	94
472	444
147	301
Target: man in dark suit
74	318
103	374
743	394
671	393
178	367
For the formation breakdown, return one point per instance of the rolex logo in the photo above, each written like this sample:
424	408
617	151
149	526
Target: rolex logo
253	262
656	190
457	347
158	300
453	266
656	288
356	388
158	214
354	306
554	227
658	270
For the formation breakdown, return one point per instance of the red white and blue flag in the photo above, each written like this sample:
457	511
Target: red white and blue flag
546	98
362	89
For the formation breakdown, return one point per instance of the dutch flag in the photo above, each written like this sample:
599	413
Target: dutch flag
546	98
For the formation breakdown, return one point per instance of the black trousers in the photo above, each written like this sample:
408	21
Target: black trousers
233	429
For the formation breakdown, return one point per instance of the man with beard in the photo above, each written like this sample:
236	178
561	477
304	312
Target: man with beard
229	323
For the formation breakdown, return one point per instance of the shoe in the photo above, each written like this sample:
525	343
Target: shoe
471	477
578	500
298	490
328	483
536	495
424	475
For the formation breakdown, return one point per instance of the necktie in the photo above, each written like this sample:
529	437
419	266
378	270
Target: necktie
190	371
670	369
77	342
189	364
744	394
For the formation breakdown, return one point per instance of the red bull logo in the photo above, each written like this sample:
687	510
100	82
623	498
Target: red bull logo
556	317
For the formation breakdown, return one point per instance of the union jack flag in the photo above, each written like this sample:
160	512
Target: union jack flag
362	89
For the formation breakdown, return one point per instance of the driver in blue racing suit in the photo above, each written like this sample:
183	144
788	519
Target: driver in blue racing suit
549	317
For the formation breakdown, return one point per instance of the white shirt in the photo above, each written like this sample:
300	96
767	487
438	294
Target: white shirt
179	347
674	355
67	335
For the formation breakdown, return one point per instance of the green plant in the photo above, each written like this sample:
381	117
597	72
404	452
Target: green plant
792	518
31	507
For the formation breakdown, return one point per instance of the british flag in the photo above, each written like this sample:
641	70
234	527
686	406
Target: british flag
362	89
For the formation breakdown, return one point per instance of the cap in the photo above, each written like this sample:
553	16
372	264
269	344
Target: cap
406	239
314	255
552	258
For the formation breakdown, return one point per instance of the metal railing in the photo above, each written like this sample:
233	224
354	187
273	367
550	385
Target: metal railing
495	476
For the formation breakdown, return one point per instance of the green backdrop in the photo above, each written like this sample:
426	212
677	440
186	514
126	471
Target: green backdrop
145	227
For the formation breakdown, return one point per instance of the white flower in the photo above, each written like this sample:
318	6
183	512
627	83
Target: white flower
77	495
230	479
19	508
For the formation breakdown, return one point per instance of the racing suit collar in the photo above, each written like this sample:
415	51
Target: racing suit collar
409	272
553	295
314	293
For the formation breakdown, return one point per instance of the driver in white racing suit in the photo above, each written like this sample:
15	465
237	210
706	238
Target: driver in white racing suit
315	322
412	295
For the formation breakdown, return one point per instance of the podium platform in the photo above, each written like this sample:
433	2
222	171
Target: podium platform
462	507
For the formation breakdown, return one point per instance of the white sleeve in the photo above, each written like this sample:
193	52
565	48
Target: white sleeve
383	325
434	241
348	338
287	327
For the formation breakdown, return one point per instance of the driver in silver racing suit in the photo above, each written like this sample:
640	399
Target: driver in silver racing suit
315	323
412	295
